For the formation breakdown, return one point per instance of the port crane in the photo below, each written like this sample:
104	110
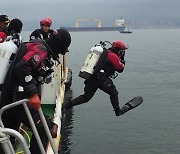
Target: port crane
79	20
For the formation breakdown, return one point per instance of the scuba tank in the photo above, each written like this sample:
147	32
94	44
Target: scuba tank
7	51
94	61
92	58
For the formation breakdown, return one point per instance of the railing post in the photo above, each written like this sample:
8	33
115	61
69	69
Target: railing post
6	108
38	139
8	146
24	101
4	139
47	131
5	143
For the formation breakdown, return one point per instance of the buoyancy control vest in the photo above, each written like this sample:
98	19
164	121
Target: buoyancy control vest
95	60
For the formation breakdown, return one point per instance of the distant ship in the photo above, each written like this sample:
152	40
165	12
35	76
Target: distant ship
126	30
118	26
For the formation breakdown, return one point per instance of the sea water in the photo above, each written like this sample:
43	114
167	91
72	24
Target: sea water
152	71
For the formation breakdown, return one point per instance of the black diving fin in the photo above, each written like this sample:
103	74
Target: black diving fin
133	103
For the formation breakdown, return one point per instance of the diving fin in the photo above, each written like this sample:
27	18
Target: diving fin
136	101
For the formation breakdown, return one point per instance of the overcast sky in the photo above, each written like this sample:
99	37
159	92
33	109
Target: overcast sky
65	12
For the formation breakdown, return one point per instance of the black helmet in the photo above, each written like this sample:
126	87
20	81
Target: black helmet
4	18
59	41
15	25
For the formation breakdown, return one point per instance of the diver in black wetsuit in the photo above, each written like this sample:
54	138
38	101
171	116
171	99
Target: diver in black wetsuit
45	31
114	63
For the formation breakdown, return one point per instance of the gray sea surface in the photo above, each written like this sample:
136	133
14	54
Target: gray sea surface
152	71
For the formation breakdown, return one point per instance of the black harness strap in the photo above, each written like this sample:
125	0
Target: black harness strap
12	56
1	86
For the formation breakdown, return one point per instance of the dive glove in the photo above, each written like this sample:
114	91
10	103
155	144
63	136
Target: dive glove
34	102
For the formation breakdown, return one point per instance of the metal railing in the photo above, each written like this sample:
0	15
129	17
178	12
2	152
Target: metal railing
7	146
5	140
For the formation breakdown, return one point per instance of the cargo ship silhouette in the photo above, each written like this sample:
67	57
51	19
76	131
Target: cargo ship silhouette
119	25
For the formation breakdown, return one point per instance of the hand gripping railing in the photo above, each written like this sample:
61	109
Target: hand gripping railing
34	129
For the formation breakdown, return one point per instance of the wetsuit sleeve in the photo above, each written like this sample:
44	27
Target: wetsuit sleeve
35	34
114	60
23	73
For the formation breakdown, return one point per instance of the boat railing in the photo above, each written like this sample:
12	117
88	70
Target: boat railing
8	145
5	140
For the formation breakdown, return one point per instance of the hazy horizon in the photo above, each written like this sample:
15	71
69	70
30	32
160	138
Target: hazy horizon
65	13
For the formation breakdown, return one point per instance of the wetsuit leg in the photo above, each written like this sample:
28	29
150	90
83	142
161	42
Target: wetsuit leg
108	87
89	91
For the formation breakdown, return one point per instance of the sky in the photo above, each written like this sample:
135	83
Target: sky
65	12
